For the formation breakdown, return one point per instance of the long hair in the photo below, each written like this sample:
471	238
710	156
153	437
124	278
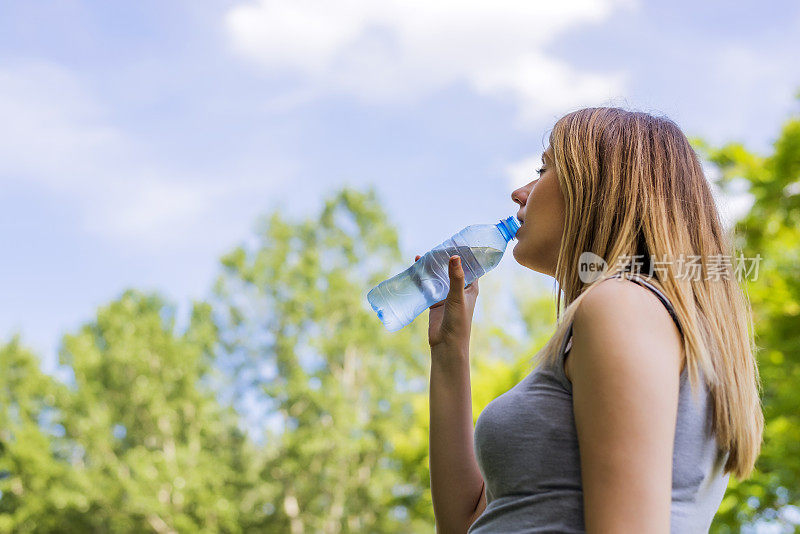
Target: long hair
634	188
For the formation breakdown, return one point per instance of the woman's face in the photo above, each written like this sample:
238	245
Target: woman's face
542	215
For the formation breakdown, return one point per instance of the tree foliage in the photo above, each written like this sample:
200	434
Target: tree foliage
296	325
135	443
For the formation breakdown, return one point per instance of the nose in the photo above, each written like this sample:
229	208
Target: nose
520	196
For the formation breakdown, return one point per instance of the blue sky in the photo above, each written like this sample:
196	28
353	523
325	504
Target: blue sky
142	140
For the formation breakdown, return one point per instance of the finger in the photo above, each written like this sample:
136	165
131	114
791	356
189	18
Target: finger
456	293
417	257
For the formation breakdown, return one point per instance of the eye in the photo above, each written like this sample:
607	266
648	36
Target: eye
540	170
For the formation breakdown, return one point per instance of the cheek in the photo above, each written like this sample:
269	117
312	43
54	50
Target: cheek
545	212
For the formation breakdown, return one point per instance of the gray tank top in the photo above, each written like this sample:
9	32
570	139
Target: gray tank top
527	450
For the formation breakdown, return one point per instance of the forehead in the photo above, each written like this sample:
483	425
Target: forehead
548	154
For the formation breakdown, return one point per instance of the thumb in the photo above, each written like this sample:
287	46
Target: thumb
456	293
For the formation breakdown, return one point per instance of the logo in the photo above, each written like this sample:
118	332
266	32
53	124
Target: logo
591	267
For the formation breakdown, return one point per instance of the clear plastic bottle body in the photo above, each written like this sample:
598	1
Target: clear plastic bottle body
401	298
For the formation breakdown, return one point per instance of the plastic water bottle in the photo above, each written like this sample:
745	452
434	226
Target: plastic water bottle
399	300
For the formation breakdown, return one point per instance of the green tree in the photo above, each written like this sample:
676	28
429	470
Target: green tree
302	341
159	451
771	229
38	488
137	442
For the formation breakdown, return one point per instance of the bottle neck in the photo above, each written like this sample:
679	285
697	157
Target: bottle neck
508	228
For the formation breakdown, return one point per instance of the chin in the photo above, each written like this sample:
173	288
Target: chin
518	256
529	259
522	258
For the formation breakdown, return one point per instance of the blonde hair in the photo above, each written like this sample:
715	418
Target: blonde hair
633	185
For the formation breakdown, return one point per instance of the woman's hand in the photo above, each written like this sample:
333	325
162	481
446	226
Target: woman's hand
450	321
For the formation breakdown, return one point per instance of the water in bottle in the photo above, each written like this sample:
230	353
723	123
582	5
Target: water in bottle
400	299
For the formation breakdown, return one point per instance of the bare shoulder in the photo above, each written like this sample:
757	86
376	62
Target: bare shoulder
619	318
619	293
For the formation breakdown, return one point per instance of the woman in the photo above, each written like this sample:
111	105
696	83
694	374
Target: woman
647	396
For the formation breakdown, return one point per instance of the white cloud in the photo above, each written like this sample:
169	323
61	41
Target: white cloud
57	138
147	209
398	50
53	131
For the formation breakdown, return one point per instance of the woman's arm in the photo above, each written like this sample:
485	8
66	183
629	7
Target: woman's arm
456	483
457	487
625	372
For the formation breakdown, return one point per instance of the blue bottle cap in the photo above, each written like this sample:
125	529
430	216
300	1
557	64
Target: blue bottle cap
508	227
